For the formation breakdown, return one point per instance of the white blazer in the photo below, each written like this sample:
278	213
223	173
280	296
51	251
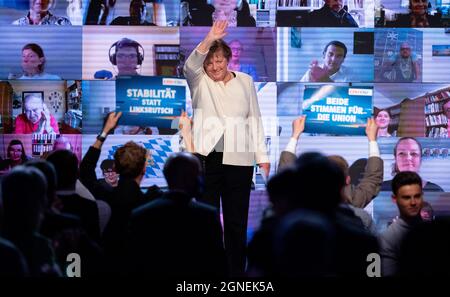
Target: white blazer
230	110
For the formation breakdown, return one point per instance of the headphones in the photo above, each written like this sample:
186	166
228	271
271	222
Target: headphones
124	42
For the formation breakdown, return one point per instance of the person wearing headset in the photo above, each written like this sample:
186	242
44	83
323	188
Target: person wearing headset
125	54
332	14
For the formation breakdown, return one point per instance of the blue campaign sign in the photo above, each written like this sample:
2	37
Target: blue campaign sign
337	110
150	100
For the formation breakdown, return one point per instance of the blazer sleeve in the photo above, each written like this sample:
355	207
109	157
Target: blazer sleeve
88	176
286	159
257	136
193	69
370	184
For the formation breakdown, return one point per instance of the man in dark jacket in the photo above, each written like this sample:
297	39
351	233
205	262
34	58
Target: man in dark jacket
130	163
332	14
176	235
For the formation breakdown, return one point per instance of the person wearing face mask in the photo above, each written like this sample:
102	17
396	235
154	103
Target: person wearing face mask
408	157
36	118
331	69
332	14
33	64
39	14
417	17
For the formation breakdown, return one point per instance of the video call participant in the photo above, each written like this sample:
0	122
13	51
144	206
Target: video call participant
404	66
125	54
408	157
331	69
235	64
15	154
446	110
204	13
36	118
39	14
332	14
33	64
383	119
368	187
228	172
417	17
138	12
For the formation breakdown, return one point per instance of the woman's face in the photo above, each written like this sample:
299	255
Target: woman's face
382	120
419	7
217	66
225	5
15	152
408	156
31	61
39	5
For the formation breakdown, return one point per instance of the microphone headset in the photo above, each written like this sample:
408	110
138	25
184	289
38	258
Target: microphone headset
124	42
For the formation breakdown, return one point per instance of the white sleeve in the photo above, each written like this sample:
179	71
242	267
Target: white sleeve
374	150
292	145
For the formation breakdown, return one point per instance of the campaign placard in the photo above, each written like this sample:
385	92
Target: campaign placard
337	110
150	100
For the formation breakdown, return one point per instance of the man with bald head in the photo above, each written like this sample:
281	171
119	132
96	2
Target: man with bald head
404	67
176	235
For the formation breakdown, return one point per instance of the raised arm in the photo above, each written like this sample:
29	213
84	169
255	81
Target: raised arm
194	64
288	157
369	186
90	159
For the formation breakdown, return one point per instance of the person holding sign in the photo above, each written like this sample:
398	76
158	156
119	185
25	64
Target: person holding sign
228	136
331	69
369	186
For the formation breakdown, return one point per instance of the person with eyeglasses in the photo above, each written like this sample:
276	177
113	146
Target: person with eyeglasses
408	157
235	62
404	66
36	118
127	58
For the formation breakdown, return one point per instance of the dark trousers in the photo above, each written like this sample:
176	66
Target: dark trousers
233	185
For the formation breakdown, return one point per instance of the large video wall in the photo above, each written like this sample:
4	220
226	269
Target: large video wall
66	53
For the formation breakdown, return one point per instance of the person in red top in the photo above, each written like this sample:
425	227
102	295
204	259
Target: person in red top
36	118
